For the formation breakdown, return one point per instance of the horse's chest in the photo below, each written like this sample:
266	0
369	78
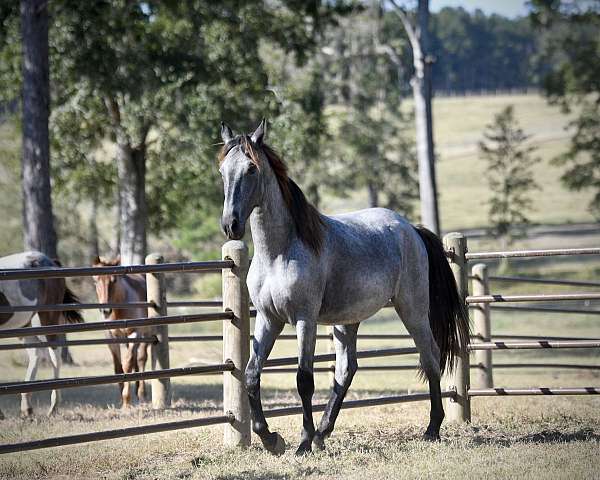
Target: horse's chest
278	292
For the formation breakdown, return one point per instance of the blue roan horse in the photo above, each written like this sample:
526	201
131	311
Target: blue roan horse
311	269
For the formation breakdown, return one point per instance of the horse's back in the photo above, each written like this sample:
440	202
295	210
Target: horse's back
364	252
26	291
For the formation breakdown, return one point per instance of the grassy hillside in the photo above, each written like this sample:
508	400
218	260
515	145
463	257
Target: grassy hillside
459	123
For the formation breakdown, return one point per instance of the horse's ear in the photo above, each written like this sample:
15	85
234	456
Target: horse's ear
96	260
259	134
226	133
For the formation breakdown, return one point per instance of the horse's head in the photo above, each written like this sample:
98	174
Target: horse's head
240	167
105	284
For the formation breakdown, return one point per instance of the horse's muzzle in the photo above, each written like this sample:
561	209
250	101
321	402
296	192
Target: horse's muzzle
232	227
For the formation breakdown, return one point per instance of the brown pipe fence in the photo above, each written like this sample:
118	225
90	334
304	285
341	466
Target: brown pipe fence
235	315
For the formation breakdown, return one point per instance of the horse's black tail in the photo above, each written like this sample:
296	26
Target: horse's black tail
448	315
71	316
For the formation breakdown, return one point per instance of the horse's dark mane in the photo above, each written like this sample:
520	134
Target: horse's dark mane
307	219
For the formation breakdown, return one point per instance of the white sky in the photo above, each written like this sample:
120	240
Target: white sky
508	8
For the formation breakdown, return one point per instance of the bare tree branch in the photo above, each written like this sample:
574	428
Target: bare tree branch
412	33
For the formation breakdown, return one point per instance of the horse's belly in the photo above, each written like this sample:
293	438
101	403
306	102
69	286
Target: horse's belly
352	302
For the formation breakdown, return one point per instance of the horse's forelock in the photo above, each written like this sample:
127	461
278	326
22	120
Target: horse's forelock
307	220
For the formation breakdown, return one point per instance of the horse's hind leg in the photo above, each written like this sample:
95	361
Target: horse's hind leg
265	334
414	312
344	337
55	359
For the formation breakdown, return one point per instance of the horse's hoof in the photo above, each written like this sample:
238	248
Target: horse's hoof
52	411
27	413
303	449
318	443
274	444
431	437
1	415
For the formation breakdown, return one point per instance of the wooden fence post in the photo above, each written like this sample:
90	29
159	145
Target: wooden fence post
157	294
483	377
459	409
236	344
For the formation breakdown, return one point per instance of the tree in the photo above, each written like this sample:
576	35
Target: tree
418	35
570	46
146	83
510	179
38	220
365	91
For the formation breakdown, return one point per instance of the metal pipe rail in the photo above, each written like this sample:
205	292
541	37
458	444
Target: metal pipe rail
499	392
534	345
532	308
532	298
545	281
74	382
195	303
532	253
567	366
113	324
216	338
116	433
328	357
61	272
79	343
63	307
540	337
366	402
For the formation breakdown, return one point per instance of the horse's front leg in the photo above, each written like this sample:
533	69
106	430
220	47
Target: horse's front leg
142	356
306	331
34	358
265	334
344	338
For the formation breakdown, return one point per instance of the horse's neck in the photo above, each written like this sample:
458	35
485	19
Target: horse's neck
272	224
131	290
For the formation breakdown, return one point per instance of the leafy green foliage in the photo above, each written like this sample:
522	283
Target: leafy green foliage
509	172
371	132
571	45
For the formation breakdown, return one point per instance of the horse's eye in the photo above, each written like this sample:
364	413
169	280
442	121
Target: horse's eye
252	169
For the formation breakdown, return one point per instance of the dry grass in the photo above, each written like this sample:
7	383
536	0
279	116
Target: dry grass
523	437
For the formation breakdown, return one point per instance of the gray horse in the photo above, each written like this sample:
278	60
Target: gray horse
311	269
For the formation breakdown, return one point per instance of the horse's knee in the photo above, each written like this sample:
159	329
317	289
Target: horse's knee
252	379
305	382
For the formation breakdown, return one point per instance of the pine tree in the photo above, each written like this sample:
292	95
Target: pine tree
510	176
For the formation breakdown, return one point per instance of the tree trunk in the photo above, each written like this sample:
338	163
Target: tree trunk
422	93
38	221
373	195
131	168
94	244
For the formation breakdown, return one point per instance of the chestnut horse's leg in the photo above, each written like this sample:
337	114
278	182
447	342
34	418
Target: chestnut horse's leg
128	366
265	334
115	350
142	356
344	337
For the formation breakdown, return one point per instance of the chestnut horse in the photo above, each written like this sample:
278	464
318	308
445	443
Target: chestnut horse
124	289
32	292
